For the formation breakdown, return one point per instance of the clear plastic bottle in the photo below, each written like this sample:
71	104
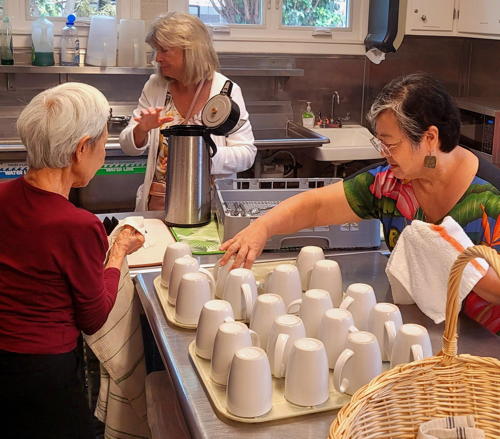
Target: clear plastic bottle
308	117
6	51
42	36
70	44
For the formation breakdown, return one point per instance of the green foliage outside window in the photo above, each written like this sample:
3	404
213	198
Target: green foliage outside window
81	8
318	13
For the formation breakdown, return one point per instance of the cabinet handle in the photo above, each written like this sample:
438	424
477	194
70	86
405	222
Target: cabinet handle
278	4
423	17
268	4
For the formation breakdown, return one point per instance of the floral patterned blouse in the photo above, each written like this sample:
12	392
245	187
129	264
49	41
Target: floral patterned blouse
377	193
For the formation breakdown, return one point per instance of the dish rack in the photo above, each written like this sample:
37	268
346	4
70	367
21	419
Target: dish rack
240	201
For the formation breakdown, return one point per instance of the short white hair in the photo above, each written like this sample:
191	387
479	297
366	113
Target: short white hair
54	121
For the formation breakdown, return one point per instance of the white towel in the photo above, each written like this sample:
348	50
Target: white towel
137	222
452	427
118	347
419	266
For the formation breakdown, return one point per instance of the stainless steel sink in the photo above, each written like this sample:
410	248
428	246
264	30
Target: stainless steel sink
291	136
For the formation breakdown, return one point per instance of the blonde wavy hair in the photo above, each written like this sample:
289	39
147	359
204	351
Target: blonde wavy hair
182	30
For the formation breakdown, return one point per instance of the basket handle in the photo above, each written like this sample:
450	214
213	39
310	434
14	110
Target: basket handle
452	309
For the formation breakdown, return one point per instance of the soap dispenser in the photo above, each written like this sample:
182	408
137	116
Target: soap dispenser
308	117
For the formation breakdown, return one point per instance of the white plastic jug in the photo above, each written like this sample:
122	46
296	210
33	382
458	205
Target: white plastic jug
101	46
42	36
131	47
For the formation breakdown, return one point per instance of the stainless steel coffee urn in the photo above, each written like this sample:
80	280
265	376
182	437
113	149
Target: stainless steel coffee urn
190	148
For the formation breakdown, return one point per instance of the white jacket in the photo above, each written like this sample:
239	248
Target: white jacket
235	153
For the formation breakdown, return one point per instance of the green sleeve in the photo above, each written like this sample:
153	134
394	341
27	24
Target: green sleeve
359	197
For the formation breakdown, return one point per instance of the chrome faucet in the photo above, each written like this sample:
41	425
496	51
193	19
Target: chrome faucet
335	97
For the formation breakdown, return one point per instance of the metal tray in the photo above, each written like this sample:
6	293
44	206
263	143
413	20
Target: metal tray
235	199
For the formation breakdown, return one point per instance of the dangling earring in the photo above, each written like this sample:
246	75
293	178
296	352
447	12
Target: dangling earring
430	161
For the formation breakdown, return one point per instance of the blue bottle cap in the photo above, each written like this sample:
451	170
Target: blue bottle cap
71	20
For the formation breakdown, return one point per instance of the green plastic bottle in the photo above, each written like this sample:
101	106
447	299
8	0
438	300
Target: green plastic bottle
42	36
308	117
6	51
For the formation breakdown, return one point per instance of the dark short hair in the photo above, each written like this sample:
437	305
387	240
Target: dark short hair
419	101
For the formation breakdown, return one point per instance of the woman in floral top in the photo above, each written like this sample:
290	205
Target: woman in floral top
427	177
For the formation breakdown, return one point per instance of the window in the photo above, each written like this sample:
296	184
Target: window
331	26
81	8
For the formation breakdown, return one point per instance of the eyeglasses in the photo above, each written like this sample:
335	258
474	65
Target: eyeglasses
383	147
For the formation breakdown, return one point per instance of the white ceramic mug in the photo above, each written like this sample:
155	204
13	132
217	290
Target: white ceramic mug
213	313
195	289
335	326
312	306
267	307
220	275
183	265
385	320
306	379
172	252
284	331
230	337
411	343
360	300
249	391
284	280
326	275
240	290
306	259
359	362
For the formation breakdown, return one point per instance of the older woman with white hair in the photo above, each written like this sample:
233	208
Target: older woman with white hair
186	78
54	281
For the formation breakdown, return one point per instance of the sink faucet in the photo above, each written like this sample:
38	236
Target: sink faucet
335	97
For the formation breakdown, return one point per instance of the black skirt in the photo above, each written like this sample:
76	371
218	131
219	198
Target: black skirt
42	397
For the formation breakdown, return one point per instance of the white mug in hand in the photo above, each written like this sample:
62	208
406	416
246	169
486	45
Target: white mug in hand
385	320
306	259
240	290
326	275
195	289
230	337
285	330
359	362
183	265
335	326
284	280
172	252
307	377
249	391
267	307
360	300
220	275
213	314
411	343
312	306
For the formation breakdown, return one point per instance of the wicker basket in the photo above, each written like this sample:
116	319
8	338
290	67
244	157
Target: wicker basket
395	403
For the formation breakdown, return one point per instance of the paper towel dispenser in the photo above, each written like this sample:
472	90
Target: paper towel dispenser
386	25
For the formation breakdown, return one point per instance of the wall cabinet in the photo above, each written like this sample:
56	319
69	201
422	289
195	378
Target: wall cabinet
461	18
430	15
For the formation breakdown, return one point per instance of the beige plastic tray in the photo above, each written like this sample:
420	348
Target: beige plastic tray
282	409
168	309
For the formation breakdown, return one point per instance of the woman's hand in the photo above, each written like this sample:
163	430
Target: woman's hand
128	241
151	118
246	245
146	121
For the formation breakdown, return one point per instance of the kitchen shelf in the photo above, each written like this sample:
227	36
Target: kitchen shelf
92	70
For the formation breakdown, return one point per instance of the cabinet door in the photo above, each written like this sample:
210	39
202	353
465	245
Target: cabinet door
430	15
479	17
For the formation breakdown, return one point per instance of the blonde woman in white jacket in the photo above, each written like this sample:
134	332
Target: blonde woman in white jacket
185	80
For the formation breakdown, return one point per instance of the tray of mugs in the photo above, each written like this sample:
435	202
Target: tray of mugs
275	405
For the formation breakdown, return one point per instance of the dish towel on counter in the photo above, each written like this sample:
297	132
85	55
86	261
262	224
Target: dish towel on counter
121	404
452	427
137	222
419	266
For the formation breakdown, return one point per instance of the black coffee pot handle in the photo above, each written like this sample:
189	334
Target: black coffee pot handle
212	148
227	89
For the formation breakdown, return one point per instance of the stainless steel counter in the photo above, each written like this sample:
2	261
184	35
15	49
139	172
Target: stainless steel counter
367	267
